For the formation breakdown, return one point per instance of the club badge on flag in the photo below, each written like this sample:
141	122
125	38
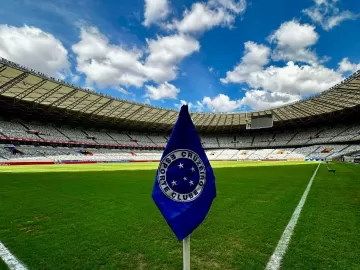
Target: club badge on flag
184	186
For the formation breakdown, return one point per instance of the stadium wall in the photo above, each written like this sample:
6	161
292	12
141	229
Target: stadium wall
15	163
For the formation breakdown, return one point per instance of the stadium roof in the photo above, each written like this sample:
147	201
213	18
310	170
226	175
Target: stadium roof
32	89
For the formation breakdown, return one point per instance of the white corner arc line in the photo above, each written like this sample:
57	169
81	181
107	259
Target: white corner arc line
276	258
12	262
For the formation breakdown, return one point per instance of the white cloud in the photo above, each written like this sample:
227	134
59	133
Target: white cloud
67	74
256	99
292	79
121	90
221	103
155	11
162	91
111	65
256	56
106	64
34	48
201	18
295	35
198	106
213	71
292	40
346	66
75	78
166	53
204	16
327	14
262	100
183	102
230	5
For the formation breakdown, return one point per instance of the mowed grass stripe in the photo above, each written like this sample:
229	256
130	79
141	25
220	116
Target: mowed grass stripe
3	265
327	235
133	166
107	220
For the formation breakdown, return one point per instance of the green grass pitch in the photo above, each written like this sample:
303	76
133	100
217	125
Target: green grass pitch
3	266
102	217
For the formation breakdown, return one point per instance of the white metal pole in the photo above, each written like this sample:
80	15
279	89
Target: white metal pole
186	252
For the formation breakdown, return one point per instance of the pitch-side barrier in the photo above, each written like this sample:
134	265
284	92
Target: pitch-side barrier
14	163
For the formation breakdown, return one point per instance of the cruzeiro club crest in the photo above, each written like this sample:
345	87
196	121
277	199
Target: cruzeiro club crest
182	175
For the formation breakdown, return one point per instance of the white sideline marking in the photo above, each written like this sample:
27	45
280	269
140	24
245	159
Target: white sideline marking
12	262
275	259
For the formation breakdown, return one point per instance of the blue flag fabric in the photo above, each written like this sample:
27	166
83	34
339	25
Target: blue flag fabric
184	186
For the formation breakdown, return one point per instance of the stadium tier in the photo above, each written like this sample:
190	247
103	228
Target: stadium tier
11	153
24	92
43	118
36	132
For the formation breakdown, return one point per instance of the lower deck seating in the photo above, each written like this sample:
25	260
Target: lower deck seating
64	153
23	131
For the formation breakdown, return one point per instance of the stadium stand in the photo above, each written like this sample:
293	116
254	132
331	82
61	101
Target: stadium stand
76	135
158	140
226	141
24	84
100	137
47	132
244	141
209	142
318	152
281	154
327	134
16	130
302	137
122	139
323	151
44	118
141	139
345	151
227	154
263	139
349	134
282	138
261	154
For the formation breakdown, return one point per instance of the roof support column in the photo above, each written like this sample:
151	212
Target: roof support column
102	106
6	86
108	114
48	94
30	90
83	110
77	102
3	68
59	101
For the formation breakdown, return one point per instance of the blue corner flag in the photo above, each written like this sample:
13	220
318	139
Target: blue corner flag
184	187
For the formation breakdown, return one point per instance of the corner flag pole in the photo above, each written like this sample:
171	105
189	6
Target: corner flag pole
186	252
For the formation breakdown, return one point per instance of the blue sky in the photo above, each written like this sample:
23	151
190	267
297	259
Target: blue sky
215	55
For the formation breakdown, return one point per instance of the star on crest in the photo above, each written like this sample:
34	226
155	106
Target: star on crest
185	178
191	182
192	169
173	183
180	165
